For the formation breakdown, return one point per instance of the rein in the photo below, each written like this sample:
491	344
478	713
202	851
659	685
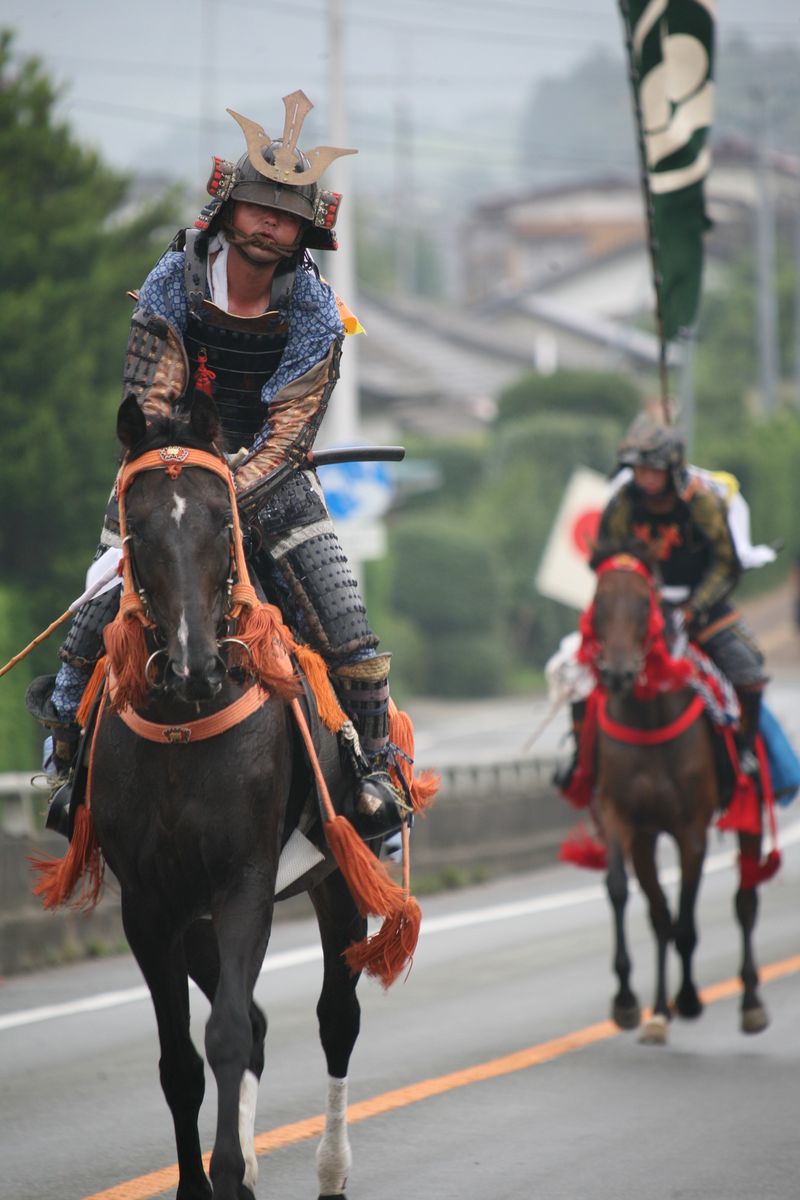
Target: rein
649	737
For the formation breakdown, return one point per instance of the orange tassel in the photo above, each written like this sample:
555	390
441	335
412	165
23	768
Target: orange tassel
386	954
315	670
423	787
90	691
127	654
262	630
58	877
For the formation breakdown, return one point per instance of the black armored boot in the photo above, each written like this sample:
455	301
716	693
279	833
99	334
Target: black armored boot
63	740
562	775
379	808
53	700
750	704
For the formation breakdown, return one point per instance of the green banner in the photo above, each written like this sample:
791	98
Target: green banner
671	52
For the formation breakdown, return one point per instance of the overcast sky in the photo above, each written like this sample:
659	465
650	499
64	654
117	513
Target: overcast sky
148	81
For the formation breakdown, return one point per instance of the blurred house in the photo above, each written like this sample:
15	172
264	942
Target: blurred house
553	278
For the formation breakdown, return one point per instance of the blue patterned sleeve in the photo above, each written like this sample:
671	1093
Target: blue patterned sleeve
314	323
164	291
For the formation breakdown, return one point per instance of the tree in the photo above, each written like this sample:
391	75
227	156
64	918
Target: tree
67	259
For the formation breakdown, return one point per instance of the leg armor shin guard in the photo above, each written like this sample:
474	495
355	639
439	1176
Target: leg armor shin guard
323	601
83	644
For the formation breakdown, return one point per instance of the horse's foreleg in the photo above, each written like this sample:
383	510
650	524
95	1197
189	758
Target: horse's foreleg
754	1014
339	1016
625	1007
242	925
202	957
692	851
643	853
159	953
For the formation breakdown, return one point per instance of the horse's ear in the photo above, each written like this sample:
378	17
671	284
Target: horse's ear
204	418
131	424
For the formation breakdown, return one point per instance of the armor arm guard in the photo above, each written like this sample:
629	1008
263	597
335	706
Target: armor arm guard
709	517
615	521
156	368
295	415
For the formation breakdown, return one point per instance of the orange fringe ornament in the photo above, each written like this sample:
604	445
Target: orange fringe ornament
260	626
127	655
423	787
58	877
315	670
96	681
385	954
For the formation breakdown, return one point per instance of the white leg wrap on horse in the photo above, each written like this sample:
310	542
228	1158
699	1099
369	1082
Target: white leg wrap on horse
248	1094
333	1153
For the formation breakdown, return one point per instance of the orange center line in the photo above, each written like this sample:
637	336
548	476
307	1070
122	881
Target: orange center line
144	1187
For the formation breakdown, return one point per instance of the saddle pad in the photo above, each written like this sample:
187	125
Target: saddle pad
298	856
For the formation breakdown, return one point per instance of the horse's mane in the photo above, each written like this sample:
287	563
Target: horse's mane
633	546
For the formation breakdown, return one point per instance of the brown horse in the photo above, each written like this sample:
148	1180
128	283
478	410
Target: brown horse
192	819
656	773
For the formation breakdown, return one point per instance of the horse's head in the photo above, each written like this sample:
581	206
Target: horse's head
621	617
178	536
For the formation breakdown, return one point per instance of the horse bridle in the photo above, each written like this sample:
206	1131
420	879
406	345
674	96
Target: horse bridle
172	459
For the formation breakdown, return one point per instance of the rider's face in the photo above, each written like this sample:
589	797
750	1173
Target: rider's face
279	226
650	480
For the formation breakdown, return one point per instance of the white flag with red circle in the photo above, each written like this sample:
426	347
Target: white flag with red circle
564	573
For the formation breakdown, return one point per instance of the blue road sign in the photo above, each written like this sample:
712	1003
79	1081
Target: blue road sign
357	491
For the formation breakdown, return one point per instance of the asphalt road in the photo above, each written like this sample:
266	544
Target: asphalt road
516	1086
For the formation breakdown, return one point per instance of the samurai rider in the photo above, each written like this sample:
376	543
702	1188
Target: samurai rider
239	295
673	510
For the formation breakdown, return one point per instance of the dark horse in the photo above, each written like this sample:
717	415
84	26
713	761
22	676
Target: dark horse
193	831
656	773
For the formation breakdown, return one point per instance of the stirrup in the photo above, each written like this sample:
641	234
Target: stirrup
748	762
379	809
58	812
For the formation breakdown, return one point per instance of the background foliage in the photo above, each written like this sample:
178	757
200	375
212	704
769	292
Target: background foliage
68	256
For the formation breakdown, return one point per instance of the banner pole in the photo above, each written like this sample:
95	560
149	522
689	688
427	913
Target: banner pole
652	244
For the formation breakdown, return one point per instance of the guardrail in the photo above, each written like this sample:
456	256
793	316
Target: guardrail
493	817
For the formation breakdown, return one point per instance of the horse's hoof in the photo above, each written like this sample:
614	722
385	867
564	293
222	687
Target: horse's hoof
754	1020
654	1031
626	1016
688	1004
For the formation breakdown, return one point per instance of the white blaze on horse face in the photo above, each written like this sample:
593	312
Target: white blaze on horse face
183	639
248	1094
334	1157
178	509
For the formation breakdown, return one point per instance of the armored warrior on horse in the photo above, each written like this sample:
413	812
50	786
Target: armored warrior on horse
236	308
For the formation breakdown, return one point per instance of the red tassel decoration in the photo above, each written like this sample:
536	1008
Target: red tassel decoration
204	377
752	872
583	850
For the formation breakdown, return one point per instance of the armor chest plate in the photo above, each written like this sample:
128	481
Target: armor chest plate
682	554
243	353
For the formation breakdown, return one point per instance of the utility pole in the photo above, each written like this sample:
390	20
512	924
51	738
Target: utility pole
797	301
765	264
341	424
405	249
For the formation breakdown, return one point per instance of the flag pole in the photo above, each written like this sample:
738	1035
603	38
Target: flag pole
652	244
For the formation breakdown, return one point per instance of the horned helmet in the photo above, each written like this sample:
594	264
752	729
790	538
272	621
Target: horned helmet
277	174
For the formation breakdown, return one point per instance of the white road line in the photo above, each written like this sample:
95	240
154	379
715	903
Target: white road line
724	860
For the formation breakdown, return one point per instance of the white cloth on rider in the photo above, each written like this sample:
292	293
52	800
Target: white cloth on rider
217	270
567	679
108	562
749	556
